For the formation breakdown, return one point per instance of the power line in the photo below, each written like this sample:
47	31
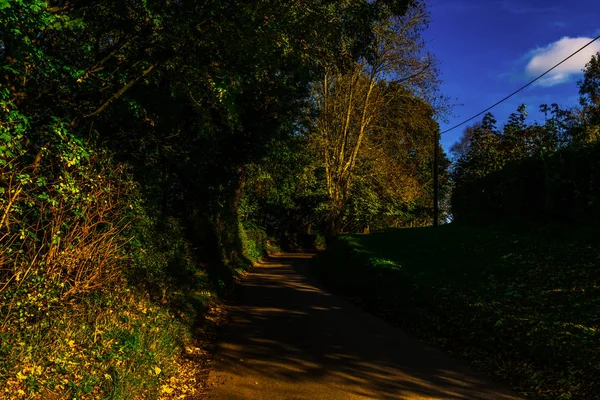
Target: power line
521	88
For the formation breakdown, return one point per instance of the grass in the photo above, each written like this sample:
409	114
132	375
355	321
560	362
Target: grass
523	307
118	345
143	336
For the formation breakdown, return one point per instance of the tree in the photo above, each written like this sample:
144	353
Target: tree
352	101
478	152
589	91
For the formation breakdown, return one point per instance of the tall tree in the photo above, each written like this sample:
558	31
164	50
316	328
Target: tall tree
351	100
589	91
478	152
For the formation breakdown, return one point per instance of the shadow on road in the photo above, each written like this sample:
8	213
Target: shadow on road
289	339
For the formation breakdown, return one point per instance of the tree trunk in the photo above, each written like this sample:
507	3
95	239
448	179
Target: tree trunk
238	190
333	230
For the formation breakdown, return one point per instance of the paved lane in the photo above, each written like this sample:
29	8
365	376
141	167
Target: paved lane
290	339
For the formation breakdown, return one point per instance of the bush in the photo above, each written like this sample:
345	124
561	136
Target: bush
64	223
254	241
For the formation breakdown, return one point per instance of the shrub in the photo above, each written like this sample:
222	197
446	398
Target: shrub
63	224
254	240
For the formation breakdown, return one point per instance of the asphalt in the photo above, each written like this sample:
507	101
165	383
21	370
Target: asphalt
288	338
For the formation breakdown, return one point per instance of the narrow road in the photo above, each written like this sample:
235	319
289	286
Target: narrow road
290	339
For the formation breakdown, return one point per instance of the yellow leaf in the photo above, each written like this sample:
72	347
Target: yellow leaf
167	389
157	370
20	376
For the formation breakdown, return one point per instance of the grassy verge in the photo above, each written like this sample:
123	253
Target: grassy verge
126	318
145	333
109	346
525	308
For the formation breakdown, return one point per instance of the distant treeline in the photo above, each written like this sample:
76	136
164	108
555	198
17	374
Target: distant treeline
563	187
532	174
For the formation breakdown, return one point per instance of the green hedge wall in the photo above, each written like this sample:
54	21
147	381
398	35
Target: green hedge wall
561	188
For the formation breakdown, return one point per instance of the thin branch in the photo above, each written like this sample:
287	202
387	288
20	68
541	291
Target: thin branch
122	91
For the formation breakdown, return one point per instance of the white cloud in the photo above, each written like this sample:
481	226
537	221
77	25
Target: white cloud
542	59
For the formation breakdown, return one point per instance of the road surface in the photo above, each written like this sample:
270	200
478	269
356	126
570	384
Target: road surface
288	338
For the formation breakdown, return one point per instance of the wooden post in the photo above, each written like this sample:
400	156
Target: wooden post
436	183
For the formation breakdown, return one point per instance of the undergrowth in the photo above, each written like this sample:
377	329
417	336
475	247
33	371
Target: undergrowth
109	346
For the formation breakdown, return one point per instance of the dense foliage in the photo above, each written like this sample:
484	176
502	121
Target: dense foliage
147	149
361	157
559	188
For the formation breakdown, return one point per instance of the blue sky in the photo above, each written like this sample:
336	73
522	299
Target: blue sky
488	48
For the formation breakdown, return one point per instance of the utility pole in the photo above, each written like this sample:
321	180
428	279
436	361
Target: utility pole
436	178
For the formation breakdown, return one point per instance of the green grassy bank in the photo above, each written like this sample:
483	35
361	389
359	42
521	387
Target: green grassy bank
123	341
524	308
